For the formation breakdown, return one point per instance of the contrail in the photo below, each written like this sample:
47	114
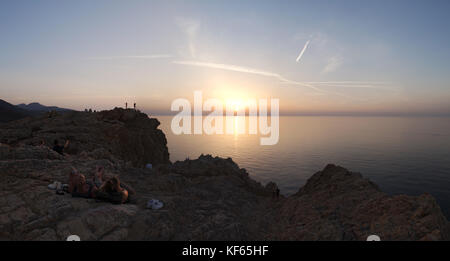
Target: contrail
236	68
316	86
228	67
350	82
153	56
302	52
356	84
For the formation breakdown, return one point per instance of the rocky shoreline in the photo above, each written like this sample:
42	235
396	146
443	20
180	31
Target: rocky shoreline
208	198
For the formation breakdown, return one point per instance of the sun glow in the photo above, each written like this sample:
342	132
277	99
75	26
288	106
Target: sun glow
236	127
235	104
230	93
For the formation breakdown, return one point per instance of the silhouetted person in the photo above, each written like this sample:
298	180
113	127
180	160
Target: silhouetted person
134	106
276	193
60	149
126	105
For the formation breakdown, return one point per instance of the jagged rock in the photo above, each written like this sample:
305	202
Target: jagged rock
224	204
124	134
208	198
336	204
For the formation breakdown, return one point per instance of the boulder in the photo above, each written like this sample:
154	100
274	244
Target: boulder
337	204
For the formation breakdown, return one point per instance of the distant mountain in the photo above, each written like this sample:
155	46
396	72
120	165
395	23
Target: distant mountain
9	112
35	106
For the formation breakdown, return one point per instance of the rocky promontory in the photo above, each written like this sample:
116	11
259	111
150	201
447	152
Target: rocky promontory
118	134
208	198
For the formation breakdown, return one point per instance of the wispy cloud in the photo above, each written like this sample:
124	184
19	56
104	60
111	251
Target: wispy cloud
350	82
152	56
237	68
318	87
354	84
228	67
304	84
339	85
190	28
302	52
333	64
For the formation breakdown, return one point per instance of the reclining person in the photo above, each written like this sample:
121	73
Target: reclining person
98	176
112	191
78	186
99	179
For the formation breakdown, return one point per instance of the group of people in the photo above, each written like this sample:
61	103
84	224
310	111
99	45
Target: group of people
99	187
126	105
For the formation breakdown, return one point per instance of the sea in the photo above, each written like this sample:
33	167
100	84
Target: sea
403	155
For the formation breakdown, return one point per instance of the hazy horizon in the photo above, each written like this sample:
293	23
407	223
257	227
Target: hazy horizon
318	57
327	114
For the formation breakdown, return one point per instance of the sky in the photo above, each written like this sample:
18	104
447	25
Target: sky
317	57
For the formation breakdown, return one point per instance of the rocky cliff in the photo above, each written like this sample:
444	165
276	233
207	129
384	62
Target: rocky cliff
336	204
117	134
204	199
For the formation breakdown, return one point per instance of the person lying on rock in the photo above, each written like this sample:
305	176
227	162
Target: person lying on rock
98	176
112	191
78	186
99	179
60	149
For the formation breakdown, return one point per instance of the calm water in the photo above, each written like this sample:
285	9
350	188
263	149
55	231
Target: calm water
402	155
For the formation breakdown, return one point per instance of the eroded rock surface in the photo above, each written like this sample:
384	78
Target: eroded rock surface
117	134
204	199
336	204
198	205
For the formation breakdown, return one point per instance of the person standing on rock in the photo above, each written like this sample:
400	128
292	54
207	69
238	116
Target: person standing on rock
126	105
134	106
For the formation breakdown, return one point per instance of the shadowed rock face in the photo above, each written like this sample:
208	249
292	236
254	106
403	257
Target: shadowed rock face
204	199
336	204
226	205
117	134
